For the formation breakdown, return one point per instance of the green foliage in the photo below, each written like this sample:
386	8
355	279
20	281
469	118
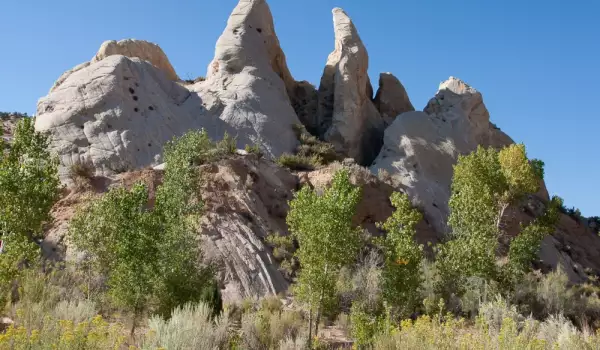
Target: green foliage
364	326
538	168
122	236
485	183
151	255
179	194
310	154
94	334
322	225
298	162
525	246
403	256
29	186
254	149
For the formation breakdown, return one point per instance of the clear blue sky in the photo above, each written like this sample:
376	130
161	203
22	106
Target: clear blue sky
536	62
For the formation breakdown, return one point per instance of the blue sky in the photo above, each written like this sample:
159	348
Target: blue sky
536	62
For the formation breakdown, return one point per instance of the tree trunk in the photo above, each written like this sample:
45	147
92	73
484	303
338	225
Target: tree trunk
320	306
501	215
310	327
136	313
318	318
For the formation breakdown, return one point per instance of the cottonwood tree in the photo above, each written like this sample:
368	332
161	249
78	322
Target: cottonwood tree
150	254
485	183
403	256
29	187
327	239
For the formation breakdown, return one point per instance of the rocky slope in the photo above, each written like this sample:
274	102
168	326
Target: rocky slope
8	122
118	110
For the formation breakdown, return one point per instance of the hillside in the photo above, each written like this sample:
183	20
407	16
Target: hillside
110	120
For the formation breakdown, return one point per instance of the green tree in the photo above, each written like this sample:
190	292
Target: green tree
122	234
401	273
29	187
322	225
151	254
485	183
524	247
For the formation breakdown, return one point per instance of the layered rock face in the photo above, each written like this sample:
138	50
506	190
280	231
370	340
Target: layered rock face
347	116
248	81
420	148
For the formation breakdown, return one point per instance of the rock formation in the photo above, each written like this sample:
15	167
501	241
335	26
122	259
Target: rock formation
347	116
119	109
141	49
8	122
391	99
118	113
420	148
248	81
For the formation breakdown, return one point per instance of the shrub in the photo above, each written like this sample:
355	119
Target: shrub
94	334
265	330
310	154
299	162
254	149
190	326
81	173
495	313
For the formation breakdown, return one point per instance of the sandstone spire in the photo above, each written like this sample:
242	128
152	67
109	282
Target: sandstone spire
347	116
248	80
391	98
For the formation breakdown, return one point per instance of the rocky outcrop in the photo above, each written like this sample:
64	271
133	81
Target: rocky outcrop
347	116
248	81
118	113
8	123
391	99
118	110
245	200
131	48
420	148
141	49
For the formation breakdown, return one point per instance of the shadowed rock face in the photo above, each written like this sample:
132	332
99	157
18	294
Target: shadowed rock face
347	116
391	99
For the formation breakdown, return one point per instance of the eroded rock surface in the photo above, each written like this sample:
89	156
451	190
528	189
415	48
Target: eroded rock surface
118	113
248	81
420	148
347	116
141	49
